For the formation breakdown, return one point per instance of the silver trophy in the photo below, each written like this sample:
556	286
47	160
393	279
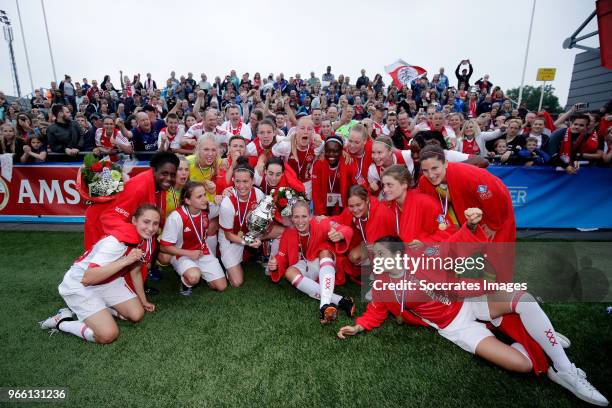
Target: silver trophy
259	220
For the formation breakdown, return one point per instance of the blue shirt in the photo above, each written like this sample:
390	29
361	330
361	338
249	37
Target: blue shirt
147	142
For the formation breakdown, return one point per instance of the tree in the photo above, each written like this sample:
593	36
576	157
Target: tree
531	96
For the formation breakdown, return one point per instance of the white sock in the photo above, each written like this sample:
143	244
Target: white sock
311	288
77	328
540	329
327	280
522	350
211	243
307	285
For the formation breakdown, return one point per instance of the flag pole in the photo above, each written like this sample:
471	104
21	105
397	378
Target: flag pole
25	47
520	95
42	4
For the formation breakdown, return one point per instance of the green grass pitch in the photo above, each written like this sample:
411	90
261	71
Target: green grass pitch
258	345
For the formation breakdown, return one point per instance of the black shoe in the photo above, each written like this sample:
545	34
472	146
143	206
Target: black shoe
185	290
150	290
328	314
154	274
348	305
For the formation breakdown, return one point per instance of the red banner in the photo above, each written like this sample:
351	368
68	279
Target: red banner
48	190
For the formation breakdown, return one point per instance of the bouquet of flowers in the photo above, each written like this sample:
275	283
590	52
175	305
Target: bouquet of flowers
102	178
285	198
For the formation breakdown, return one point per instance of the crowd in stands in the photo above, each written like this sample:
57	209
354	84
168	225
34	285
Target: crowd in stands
137	115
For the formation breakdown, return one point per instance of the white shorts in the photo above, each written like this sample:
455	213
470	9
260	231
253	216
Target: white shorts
208	265
86	301
231	254
309	269
465	331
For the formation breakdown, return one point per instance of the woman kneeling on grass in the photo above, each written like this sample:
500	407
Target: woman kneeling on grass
462	322
95	289
306	255
185	238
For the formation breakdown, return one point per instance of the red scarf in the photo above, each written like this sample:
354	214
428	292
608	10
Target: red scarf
584	144
235	131
470	146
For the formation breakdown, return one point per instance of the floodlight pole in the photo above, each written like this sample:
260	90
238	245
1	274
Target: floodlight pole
520	95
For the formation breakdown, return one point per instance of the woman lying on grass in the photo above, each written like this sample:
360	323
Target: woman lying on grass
462	322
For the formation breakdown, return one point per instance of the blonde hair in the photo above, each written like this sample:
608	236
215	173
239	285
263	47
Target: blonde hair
208	137
294	138
475	126
385	140
515	120
3	142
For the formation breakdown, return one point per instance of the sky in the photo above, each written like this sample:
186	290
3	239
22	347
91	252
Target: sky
94	37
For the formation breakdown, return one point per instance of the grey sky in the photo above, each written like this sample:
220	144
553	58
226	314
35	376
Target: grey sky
93	38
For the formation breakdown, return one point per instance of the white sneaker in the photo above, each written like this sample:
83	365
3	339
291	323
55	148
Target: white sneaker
51	322
575	381
563	341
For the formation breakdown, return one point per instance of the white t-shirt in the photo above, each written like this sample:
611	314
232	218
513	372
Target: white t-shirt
173	228
245	130
197	130
106	251
175	144
227	212
373	175
251	149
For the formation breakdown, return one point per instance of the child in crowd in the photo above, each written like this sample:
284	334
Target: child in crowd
35	149
532	155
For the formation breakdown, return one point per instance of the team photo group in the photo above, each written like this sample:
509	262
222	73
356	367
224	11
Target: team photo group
308	180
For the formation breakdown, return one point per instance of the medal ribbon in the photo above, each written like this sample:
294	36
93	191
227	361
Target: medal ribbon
200	234
242	218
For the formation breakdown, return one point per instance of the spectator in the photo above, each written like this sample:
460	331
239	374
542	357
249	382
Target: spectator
38	100
10	143
363	80
473	141
485	105
607	156
484	85
63	135
85	87
88	133
68	91
573	146
204	84
110	141
150	84
378	85
500	149
313	80
145	135
444	84
328	76
25	128
464	76
35	150
531	154
515	141
538	132
172	81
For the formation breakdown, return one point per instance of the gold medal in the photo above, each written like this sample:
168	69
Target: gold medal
442	226
399	319
240	234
